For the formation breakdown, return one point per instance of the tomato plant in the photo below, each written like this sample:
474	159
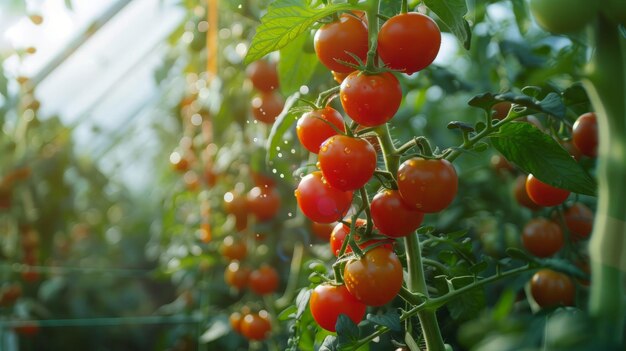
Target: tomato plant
370	99
397	38
347	163
335	41
316	126
542	237
544	194
376	278
427	185
329	301
319	201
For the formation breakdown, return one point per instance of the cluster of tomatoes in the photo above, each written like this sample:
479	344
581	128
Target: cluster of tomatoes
252	325
268	103
347	161
544	237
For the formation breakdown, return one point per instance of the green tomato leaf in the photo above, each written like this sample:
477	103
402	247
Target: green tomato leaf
536	152
391	320
283	122
288	313
551	103
483	101
284	21
346	329
329	344
468	304
302	302
451	13
296	65
219	327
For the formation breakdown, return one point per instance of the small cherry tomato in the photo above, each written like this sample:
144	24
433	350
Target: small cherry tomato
264	202
233	248
376	278
256	326
236	275
264	280
347	163
319	201
235	319
314	127
550	288
585	134
335	42
542	237
520	194
267	106
237	205
409	42
544	194
370	99
263	75
392	216
428	186
328	301
579	221
339	233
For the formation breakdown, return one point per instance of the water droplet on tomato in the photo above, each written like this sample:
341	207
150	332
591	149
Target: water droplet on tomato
347	150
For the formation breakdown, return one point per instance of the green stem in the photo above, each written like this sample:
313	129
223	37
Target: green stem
372	20
294	274
368	215
404	7
390	154
606	85
417	283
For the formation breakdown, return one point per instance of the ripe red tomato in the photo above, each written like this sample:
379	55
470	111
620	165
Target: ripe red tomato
262	180
267	106
392	216
322	230
519	191
328	301
256	326
237	205
569	146
264	202
370	99
409	42
313	127
9	294
319	201
263	75
333	41
233	249
585	134
550	288
427	185
347	163
579	221
339	233
542	237
544	194
263	280
236	275
376	278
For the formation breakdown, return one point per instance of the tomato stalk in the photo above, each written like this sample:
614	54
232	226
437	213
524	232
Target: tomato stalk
417	282
606	85
372	27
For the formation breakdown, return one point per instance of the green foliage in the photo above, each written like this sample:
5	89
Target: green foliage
451	14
